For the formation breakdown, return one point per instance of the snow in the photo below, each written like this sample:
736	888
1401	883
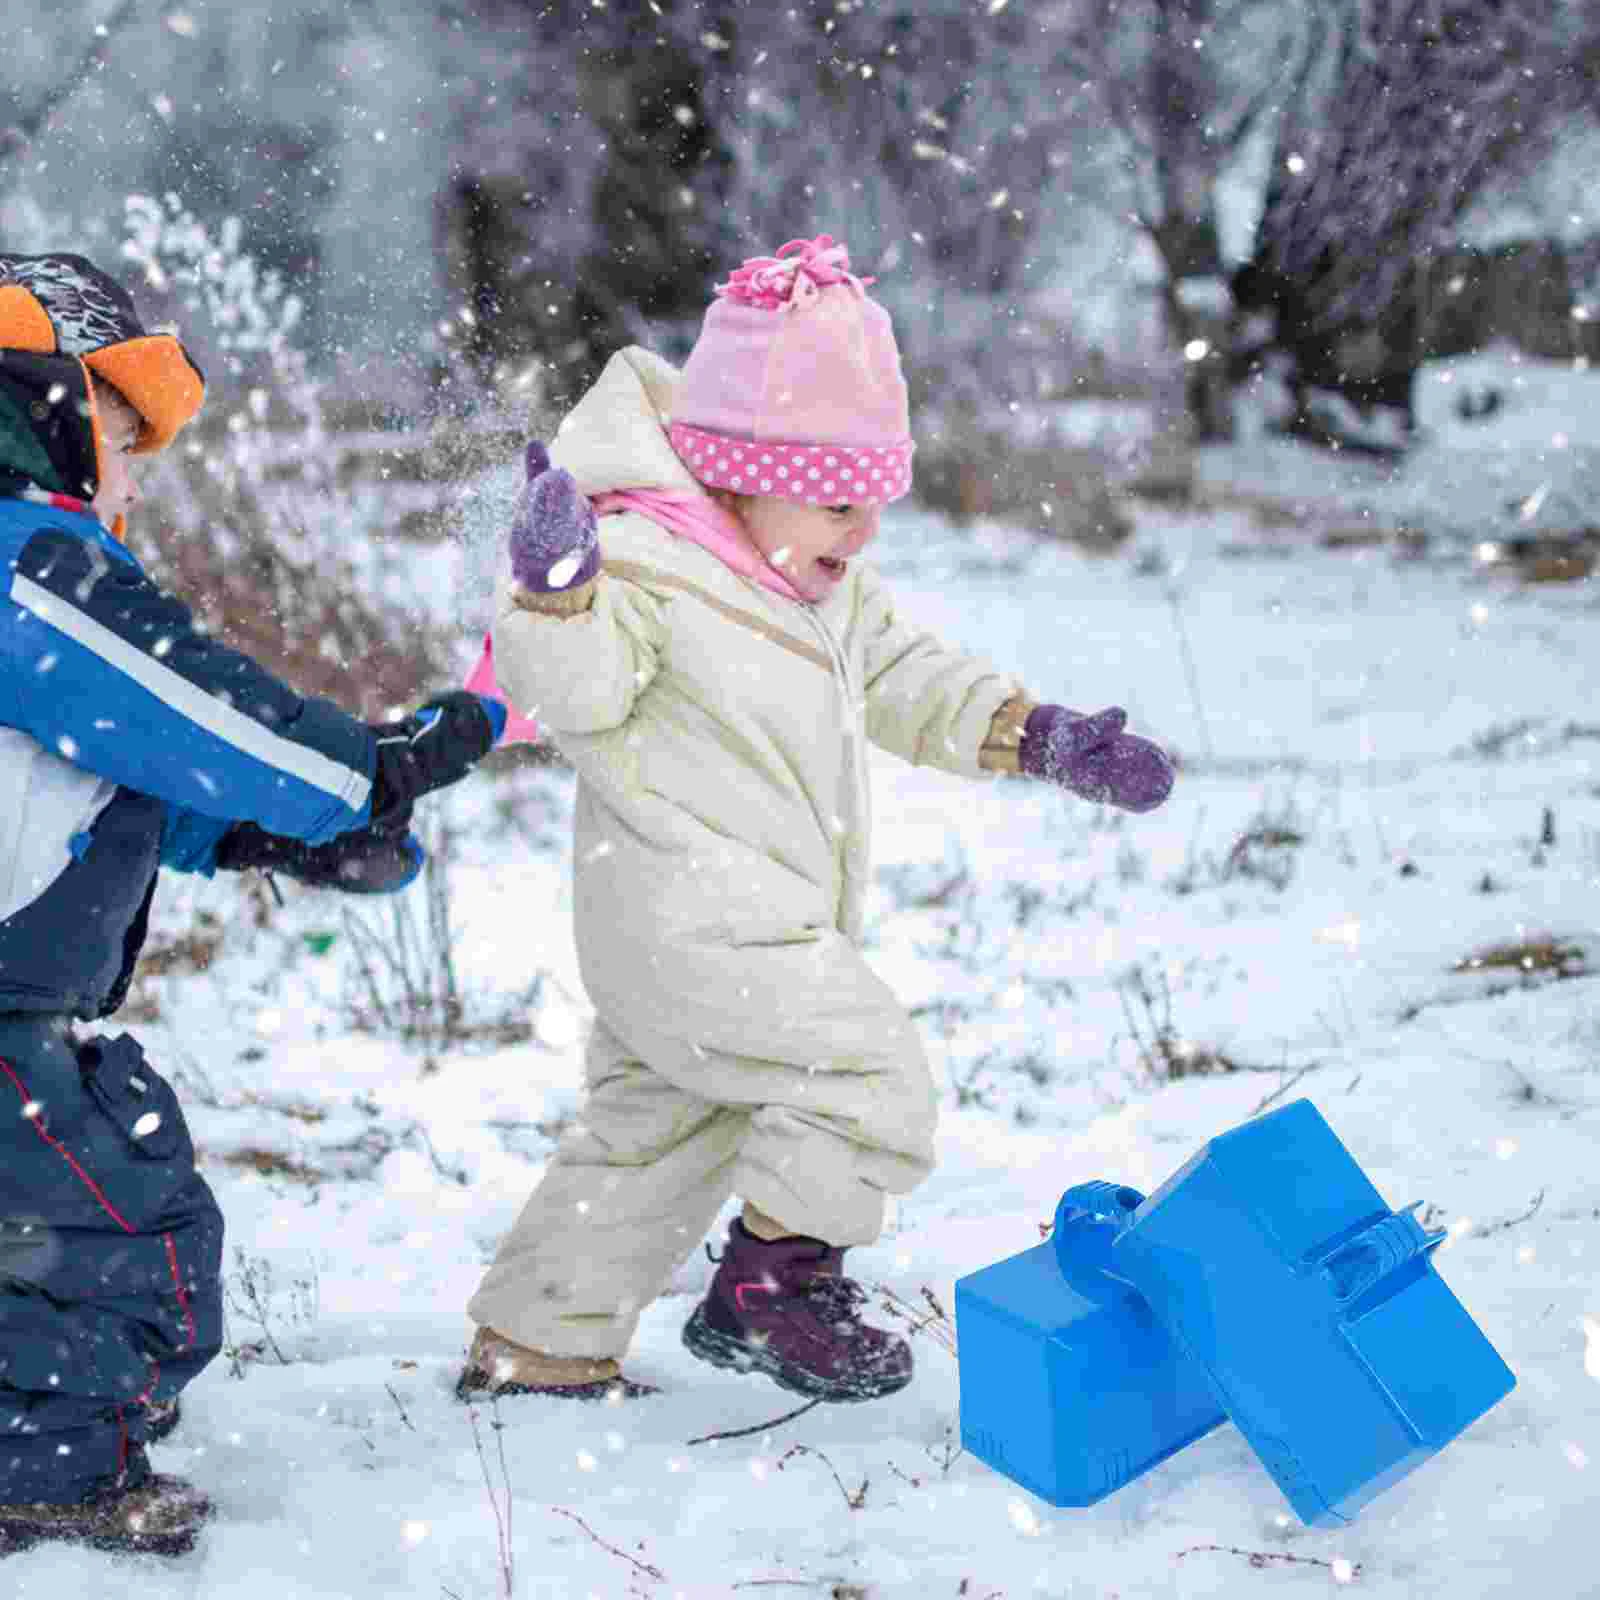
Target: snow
1412	747
1205	296
1555	200
1531	467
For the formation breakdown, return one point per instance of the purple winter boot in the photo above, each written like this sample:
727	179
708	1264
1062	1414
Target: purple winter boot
785	1309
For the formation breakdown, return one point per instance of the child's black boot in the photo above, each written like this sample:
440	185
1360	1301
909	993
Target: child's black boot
157	1515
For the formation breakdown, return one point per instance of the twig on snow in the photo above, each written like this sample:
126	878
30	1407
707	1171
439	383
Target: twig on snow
855	1501
949	1454
1530	1092
639	1566
502	1521
935	1321
400	1407
760	1427
840	1590
1487	1229
1282	1089
1267	1558
1191	674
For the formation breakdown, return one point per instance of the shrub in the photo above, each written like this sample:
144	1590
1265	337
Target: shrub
283	538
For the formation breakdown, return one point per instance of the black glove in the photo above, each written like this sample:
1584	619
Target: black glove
437	745
363	861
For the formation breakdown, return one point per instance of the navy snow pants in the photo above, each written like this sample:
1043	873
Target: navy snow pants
110	1260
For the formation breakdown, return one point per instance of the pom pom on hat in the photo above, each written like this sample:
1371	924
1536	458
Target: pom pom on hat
792	277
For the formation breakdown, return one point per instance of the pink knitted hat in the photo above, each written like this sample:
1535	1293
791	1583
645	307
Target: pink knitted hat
794	386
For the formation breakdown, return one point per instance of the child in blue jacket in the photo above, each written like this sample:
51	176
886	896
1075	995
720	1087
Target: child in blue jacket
130	740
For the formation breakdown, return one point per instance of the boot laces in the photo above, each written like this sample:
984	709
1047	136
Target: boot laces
838	1298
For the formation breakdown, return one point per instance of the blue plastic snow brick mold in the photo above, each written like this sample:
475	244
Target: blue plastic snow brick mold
1069	1386
1314	1310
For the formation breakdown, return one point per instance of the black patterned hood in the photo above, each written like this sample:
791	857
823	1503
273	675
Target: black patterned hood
87	308
61	320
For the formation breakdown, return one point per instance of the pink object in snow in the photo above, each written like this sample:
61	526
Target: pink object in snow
481	680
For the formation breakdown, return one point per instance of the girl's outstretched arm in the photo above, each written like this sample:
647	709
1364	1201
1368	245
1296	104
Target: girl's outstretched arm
939	707
926	701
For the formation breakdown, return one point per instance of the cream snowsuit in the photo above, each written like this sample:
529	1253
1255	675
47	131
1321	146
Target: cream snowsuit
742	1044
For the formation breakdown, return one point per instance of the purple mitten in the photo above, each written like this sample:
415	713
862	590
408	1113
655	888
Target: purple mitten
1094	758
554	538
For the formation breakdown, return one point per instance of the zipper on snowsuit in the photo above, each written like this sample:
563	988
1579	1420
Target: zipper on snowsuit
855	774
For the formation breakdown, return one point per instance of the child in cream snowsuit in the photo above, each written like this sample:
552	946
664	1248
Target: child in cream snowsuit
715	673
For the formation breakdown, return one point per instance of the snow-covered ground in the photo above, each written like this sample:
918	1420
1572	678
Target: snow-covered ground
1531	465
1391	766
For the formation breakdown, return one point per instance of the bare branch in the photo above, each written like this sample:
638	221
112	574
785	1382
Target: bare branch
760	1427
399	1405
1488	1229
854	1499
1282	1089
18	135
1265	1558
638	1566
936	1321
502	1515
1422	108
1277	92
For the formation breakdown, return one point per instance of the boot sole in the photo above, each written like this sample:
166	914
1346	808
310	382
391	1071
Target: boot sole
739	1355
476	1384
17	1536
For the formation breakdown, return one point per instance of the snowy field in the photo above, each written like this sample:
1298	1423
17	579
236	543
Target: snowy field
1392	768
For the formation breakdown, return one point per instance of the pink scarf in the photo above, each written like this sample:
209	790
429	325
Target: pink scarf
686	513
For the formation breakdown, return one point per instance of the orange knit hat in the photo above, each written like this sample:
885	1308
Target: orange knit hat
64	305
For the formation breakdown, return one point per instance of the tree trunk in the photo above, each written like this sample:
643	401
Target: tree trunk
1197	306
1195	295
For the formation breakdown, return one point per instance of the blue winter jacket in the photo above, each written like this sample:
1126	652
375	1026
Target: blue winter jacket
130	740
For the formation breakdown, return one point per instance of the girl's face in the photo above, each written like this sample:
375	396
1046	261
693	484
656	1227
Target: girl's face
119	431
812	546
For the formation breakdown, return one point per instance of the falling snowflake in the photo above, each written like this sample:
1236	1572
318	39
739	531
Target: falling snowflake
1023	1518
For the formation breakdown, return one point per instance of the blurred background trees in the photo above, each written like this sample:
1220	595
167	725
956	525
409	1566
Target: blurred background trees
482	199
1414	112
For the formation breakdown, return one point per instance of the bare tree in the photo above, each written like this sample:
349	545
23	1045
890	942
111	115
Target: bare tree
1420	105
23	120
631	153
584	205
1183	85
1427	101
